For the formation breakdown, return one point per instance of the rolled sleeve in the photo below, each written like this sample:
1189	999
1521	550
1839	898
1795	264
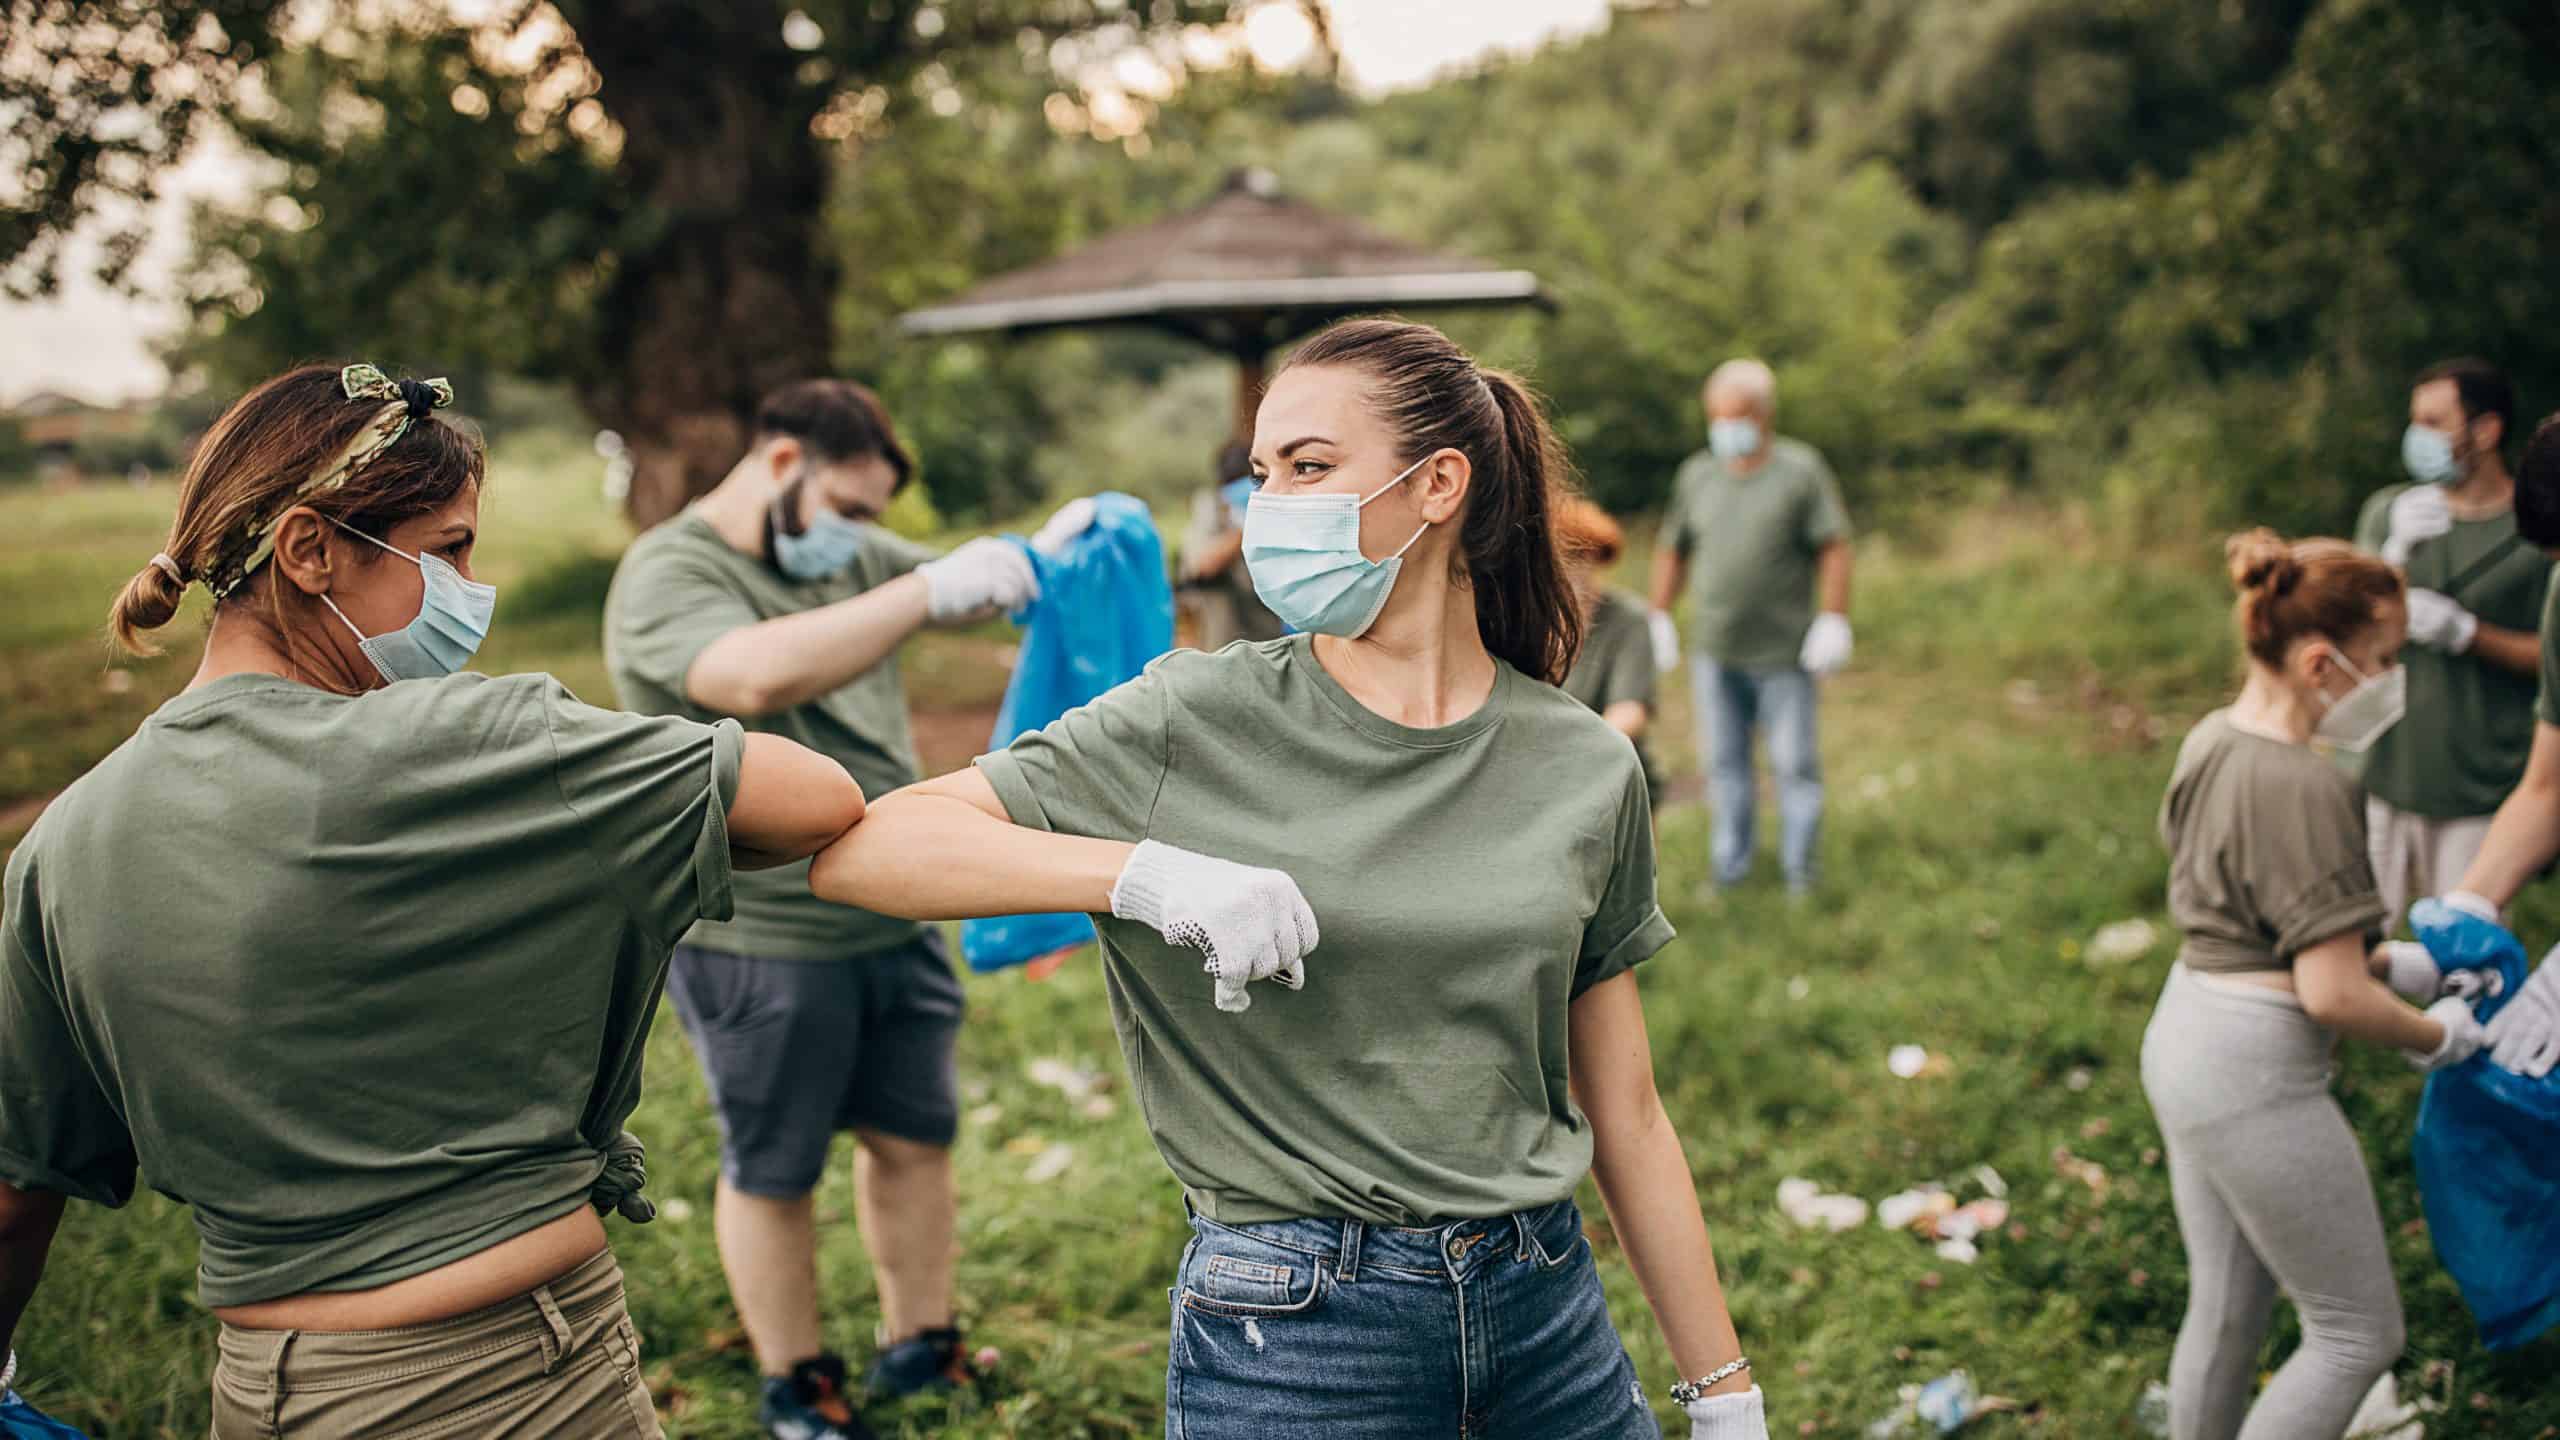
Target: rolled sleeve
1629	926
652	794
60	1130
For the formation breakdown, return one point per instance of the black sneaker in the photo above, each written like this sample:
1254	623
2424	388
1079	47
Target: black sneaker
930	1362
810	1404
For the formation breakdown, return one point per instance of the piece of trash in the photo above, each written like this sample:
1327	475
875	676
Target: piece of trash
1050	1164
1990	1181
2382	1417
2087	1172
2096	1127
1798	988
985	1115
1942	1407
1961	1251
1902	1210
2122	942
2078	1080
1906	1061
678	1209
1098	1107
1025	1145
988	1357
1807	1204
2151	1412
1072	1081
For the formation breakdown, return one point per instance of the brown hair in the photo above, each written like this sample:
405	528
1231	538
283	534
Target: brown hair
1586	534
248	469
840	419
2293	590
1434	396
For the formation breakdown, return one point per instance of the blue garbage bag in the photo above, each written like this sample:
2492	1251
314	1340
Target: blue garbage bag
2488	1151
22	1421
1105	610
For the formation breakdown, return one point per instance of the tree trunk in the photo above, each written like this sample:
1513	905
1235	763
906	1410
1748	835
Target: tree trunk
723	290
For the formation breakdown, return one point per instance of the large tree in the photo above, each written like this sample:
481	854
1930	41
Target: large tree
625	194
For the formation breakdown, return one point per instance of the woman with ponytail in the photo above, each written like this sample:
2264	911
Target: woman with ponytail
2281	916
1379	1151
356	955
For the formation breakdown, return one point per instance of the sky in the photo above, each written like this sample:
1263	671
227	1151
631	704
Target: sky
93	343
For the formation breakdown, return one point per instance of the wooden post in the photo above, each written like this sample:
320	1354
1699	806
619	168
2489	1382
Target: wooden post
1251	372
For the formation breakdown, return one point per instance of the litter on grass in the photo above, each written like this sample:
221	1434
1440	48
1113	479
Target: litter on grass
1941	1407
2122	942
1808	1205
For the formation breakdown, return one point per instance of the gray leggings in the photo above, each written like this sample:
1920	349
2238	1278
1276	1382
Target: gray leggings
2271	1192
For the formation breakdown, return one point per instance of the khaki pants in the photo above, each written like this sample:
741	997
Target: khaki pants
2415	856
561	1360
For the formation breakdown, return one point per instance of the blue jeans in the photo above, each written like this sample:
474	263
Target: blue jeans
1335	1330
1731	704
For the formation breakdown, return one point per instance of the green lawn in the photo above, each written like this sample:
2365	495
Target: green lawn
1995	756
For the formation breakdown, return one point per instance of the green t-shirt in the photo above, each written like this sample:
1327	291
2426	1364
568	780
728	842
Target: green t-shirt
1751	543
1616	664
365	980
2266	851
680	587
1469	881
2463	743
2548	709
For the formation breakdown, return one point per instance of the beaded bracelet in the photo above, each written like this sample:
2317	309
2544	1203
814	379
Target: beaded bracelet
1690	1392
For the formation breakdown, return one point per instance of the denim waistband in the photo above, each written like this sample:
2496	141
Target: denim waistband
1446	1251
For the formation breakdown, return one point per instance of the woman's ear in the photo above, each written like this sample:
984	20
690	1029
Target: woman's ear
1440	487
302	551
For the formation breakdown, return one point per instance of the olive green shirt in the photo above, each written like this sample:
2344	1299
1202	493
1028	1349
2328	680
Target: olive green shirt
2463	743
365	981
1752	543
679	588
1616	663
2266	851
1469	882
2548	708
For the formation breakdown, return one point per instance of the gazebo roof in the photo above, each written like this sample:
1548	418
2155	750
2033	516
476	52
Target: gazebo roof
1243	273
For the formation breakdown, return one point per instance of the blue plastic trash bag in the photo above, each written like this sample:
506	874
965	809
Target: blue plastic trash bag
22	1421
1105	610
2488	1151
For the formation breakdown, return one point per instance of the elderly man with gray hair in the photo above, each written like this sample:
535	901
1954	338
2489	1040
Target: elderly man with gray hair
1757	535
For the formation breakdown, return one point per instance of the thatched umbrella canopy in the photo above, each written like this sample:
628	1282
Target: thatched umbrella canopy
1243	274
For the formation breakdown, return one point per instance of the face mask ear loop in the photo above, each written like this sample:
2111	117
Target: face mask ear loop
1390	485
361	637
379	545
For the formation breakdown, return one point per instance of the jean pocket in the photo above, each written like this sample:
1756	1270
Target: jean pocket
1555	1236
1227	1274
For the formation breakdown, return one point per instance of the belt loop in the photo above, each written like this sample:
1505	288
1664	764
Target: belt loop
1347	1266
275	1382
555	1343
1520	1222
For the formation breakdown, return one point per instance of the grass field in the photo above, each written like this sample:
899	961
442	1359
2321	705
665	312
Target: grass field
1995	758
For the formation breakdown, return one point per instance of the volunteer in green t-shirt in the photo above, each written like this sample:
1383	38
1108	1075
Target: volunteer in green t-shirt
2276	902
1379	1151
1613	673
356	956
1757	536
2475	601
777	600
2525	837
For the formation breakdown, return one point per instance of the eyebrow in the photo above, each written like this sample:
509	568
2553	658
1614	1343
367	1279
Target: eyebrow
1301	443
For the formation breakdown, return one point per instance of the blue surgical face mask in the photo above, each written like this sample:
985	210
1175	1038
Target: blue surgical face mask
1303	552
453	618
2428	452
1733	439
825	547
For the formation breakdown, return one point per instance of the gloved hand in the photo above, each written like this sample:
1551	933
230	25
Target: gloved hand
1827	644
2475	906
2413	974
2463	1036
2525	1036
1248	923
2418	513
2438	621
980	577
1666	639
1071	520
1729	1417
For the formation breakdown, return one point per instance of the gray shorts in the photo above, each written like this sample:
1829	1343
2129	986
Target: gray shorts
797	1050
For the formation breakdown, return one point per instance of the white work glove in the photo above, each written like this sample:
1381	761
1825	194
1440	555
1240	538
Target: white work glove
2438	621
2463	1036
2475	906
2414	975
1666	640
1248	923
1072	519
2525	1036
1729	1417
982	576
2420	512
1827	644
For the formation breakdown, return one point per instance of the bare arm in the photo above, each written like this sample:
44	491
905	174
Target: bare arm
1831	578
1629	718
1213	556
776	664
27	1221
1670	572
2338	989
2526	834
2519	651
1644	1181
791	801
944	850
